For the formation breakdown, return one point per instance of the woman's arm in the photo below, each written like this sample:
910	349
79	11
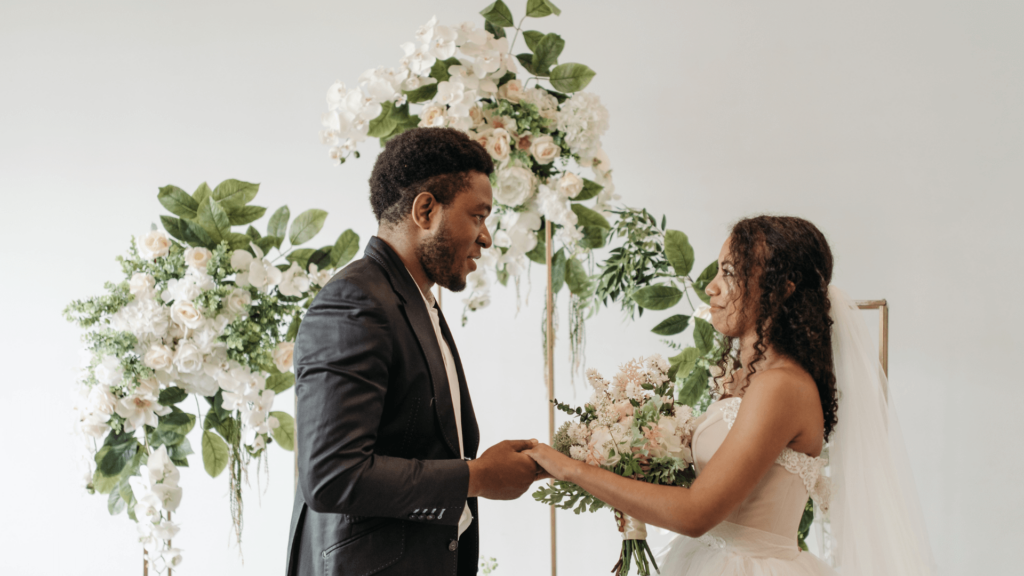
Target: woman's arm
769	418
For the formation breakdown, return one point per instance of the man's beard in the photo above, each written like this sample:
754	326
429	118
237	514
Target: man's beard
439	260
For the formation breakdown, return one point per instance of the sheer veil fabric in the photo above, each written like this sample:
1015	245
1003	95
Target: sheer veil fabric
876	522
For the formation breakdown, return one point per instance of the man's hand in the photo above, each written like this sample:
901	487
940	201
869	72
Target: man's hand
503	472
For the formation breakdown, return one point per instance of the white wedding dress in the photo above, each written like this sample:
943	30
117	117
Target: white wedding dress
759	537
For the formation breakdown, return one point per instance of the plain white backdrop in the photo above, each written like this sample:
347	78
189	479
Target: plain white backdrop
897	127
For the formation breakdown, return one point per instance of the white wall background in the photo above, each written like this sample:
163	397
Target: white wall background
897	127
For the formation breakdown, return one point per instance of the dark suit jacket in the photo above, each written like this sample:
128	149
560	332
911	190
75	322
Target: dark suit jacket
381	483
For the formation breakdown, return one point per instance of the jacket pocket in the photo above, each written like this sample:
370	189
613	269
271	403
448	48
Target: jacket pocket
378	546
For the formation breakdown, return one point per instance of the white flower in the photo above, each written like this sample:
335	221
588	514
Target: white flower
319	277
198	258
703	312
257	272
433	116
283	356
165	530
442	43
477	301
511	91
294	281
185	314
188	358
142	285
602	450
141	408
578	453
569	185
657	362
515	185
426	32
336	95
584	120
171	557
159	357
188	288
579	433
498	144
450	93
155	244
547	105
237	303
544	150
109	371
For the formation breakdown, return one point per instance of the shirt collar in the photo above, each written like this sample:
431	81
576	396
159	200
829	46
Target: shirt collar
428	297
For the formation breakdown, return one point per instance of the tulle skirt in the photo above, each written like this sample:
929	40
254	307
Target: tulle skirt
733	550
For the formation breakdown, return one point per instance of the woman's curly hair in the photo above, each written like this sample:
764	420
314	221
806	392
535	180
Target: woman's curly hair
768	253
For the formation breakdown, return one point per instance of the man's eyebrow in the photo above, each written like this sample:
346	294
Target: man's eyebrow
484	206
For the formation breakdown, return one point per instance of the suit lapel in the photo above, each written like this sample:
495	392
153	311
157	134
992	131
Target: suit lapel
470	429
419	320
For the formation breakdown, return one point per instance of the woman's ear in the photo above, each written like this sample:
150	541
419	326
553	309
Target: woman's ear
424	210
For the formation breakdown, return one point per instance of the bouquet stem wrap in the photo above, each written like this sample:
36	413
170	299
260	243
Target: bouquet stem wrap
634	547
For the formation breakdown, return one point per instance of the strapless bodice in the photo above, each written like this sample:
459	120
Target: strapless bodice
777	503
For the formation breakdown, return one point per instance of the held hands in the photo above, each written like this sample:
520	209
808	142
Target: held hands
503	471
555	464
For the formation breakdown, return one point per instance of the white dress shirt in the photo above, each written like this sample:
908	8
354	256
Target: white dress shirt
453	384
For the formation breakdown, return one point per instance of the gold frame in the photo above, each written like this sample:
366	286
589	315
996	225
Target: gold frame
883	335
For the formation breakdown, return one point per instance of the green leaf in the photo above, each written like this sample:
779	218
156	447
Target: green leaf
238	241
284	434
694	387
423	93
235	193
557	270
180	451
278	225
532	37
571	77
171	396
541	8
322	258
587	217
173	227
703	335
657	297
124	490
306	225
526	60
702	281
178	202
439	71
577	279
678	252
498	31
104	484
111	460
202	193
672	325
246	214
345	248
547	52
115	505
177	421
215	454
293	328
280	382
301	256
685	361
385	124
498	15
214	219
539	253
196	235
590	190
253	233
594	237
268	242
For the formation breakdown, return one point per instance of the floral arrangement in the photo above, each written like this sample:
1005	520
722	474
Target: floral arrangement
201	311
528	110
631	426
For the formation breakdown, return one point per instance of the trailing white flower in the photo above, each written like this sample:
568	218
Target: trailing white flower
257	272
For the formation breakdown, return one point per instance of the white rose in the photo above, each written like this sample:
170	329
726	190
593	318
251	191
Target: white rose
159	357
704	313
101	400
142	285
498	144
238	301
433	115
198	258
569	185
511	91
188	359
515	186
283	356
544	150
481	137
184	314
294	281
154	245
476	114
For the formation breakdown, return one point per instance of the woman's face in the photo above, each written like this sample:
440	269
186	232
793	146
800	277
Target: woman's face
726	298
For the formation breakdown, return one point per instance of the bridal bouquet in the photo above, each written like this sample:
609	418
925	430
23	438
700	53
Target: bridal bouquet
633	427
200	311
527	110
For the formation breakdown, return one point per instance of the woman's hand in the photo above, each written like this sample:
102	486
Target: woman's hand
556	464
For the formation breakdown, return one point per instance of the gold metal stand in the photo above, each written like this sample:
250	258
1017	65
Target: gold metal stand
883	334
550	364
145	557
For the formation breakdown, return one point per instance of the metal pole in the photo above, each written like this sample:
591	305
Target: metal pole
550	363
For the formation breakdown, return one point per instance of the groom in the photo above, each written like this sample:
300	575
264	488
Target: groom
387	436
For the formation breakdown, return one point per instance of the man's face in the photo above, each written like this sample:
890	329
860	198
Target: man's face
448	255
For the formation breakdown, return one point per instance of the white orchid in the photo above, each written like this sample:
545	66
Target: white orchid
257	272
294	281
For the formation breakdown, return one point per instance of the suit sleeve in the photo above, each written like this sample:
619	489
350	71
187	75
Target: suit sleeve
342	354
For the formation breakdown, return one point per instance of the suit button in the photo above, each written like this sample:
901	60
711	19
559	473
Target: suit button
430	517
412	516
453	545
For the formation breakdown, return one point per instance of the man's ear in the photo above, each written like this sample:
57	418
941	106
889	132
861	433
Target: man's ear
425	210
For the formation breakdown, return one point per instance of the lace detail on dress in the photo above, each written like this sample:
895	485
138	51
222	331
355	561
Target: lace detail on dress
808	468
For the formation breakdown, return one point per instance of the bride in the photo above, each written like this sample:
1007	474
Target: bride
805	379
